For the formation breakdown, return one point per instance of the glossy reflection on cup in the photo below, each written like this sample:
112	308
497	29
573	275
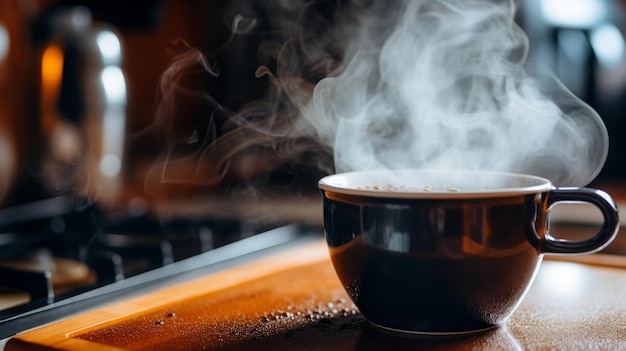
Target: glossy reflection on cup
446	252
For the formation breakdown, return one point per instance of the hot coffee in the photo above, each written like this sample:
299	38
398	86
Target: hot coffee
438	261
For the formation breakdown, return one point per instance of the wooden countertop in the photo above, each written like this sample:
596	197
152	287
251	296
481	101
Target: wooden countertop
292	300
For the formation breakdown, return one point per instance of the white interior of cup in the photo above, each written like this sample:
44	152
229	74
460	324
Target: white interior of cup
421	183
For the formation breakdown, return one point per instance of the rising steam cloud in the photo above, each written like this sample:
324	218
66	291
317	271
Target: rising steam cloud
411	84
447	87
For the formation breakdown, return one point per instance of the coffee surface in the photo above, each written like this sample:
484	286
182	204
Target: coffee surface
406	188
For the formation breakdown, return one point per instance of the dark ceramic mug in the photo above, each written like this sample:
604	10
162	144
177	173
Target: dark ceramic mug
446	252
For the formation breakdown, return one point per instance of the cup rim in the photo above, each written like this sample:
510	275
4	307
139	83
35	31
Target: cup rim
350	183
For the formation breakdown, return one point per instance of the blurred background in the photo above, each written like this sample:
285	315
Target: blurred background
582	41
79	88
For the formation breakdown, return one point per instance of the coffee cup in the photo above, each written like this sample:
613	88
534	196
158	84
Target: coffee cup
446	252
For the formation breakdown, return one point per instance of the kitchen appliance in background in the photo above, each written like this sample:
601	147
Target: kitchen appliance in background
82	96
582	41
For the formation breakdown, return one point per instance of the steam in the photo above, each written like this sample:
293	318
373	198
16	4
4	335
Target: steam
448	88
388	85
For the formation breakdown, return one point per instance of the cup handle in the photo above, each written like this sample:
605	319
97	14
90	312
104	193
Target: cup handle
607	232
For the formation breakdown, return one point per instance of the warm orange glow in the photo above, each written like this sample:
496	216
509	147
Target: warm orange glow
51	75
